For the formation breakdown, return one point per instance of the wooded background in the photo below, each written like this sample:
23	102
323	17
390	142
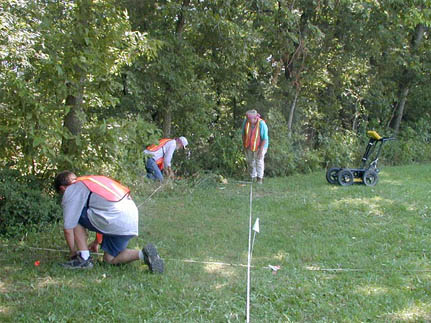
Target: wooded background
86	84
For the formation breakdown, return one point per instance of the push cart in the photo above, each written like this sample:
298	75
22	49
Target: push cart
368	172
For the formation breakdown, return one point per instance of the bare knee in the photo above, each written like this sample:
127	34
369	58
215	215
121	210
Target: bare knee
108	258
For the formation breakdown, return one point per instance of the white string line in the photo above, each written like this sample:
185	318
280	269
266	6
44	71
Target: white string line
210	262
58	250
169	259
366	270
242	182
309	268
154	192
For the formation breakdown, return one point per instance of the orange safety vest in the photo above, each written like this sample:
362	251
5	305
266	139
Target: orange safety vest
251	137
154	147
106	188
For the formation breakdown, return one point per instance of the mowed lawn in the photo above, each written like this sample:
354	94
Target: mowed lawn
346	254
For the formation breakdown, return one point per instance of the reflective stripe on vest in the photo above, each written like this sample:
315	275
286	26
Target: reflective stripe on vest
106	187
251	138
162	142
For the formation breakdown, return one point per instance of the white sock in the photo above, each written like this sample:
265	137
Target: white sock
141	255
85	254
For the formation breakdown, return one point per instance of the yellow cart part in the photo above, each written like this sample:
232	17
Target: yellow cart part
373	134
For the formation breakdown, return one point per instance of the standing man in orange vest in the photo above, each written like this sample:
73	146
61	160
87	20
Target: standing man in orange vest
160	157
255	141
102	205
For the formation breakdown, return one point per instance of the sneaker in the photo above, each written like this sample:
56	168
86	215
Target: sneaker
152	259
260	180
78	263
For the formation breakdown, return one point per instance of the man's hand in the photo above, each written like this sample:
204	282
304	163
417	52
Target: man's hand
259	154
168	172
94	246
261	148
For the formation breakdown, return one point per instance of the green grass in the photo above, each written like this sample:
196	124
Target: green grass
347	254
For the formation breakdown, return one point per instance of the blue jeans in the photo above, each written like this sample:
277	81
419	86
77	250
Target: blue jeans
153	171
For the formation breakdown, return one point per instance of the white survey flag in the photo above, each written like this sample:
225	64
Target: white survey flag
256	226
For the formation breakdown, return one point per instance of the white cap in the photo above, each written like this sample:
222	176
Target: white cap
251	113
184	141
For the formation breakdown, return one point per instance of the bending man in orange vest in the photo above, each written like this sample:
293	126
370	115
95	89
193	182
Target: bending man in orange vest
102	205
255	141
160	157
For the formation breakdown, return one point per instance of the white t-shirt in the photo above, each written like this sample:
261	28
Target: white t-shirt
116	218
167	152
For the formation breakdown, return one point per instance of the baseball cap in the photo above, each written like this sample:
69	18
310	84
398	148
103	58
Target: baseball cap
184	141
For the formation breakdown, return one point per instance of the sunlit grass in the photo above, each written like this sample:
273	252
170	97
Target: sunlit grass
372	290
413	313
346	254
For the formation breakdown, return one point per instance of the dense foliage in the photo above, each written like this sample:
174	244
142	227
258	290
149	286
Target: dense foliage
86	84
25	204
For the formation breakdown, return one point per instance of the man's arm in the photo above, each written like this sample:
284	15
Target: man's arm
261	148
167	159
263	138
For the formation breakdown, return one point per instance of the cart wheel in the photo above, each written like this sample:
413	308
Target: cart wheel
332	175
345	177
370	177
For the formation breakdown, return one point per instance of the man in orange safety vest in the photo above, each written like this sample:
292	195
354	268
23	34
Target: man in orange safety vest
160	157
102	205
255	142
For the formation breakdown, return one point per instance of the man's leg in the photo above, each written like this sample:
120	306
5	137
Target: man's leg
124	257
153	171
81	237
260	164
82	259
117	253
251	162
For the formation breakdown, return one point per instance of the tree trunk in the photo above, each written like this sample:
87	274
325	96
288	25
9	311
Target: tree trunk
73	122
405	87
234	113
181	20
75	118
292	111
398	116
167	114
355	119
167	121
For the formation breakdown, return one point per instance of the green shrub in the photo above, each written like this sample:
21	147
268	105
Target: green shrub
24	204
341	148
281	159
412	145
311	160
221	154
